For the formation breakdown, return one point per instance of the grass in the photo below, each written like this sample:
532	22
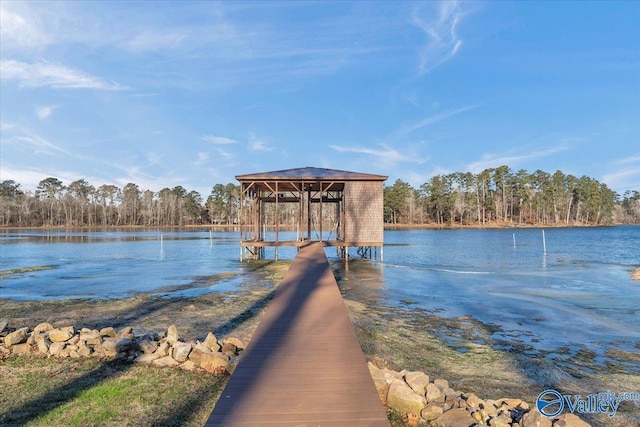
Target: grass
6	273
47	392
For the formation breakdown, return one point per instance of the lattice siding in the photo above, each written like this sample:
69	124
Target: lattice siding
364	212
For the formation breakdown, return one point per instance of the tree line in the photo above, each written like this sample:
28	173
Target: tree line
491	196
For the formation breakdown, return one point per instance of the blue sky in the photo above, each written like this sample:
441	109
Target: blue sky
193	93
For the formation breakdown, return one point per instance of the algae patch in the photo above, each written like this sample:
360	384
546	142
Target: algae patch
16	271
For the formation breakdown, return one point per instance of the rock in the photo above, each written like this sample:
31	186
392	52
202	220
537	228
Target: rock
43	345
74	340
56	348
3	324
454	418
229	348
146	358
433	393
84	350
58	335
417	381
570	420
211	342
91	337
163	349
148	346
126	332
165	362
108	332
431	412
189	365
23	348
235	341
404	400
473	401
509	403
172	335
503	420
215	363
382	378
109	345
534	418
16	337
42	327
181	351
123	344
441	384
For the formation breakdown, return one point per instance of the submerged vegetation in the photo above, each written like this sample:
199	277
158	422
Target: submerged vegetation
493	196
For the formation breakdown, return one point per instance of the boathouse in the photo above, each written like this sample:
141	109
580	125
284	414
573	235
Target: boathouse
337	208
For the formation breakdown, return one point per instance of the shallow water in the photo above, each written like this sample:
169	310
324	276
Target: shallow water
579	295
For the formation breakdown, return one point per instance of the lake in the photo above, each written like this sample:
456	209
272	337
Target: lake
577	295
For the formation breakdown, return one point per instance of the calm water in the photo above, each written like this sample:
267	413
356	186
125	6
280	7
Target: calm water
579	294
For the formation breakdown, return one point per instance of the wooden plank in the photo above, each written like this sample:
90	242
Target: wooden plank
303	366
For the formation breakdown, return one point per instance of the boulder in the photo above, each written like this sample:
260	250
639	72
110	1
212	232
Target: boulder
172	335
382	378
43	345
165	362
163	349
454	418
23	348
211	342
189	366
229	348
235	341
473	401
215	363
42	327
442	384
126	332
534	418
570	420
417	381
3	324
146	358
501	421
16	337
58	335
181	351
148	346
108	332
404	400
90	337
433	393
56	348
431	412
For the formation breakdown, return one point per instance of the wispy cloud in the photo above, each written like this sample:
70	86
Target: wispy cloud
626	175
21	136
384	154
202	159
218	140
258	144
439	22
20	32
151	40
427	121
225	154
45	111
46	74
512	158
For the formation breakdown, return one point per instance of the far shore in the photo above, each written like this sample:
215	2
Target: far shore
387	226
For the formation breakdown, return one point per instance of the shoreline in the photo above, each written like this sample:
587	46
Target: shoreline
397	338
387	226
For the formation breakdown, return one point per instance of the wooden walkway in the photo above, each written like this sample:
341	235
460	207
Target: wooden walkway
304	365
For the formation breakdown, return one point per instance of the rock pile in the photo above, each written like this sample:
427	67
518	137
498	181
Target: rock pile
413	394
165	349
421	399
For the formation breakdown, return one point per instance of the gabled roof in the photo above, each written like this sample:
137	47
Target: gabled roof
310	174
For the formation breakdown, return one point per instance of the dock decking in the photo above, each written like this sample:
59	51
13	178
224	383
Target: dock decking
304	365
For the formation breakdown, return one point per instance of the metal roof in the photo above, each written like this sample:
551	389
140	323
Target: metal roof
310	174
